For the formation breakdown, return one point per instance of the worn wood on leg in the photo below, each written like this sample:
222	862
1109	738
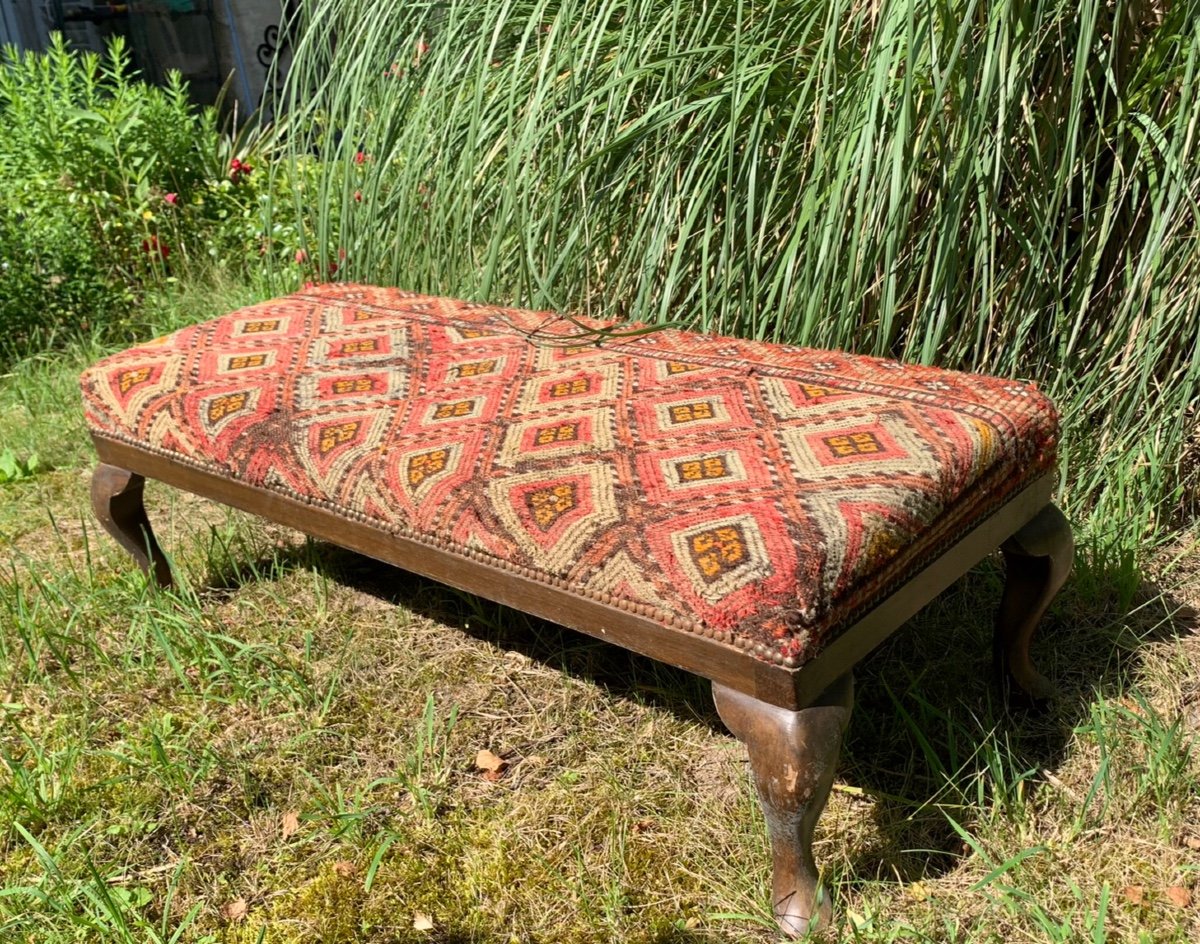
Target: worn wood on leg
793	755
1038	558
117	502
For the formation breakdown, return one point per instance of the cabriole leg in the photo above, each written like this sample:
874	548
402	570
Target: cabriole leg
1038	559
793	755
117	502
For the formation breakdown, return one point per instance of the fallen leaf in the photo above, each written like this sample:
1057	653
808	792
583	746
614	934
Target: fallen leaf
235	910
1134	894
492	775
919	891
1192	842
486	760
422	922
289	825
344	869
1179	896
643	825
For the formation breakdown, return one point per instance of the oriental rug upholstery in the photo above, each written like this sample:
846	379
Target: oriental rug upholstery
754	493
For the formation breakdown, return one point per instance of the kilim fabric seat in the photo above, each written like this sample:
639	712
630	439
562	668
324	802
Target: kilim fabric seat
759	514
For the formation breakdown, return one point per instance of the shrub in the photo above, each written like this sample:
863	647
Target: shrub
110	186
1009	187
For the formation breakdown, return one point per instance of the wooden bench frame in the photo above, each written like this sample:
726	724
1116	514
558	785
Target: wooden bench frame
791	720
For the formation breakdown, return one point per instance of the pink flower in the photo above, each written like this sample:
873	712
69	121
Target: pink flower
301	257
358	196
170	198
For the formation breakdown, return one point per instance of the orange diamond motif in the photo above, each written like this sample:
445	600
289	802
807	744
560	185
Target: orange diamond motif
677	367
336	435
717	551
420	467
128	379
856	444
697	470
812	391
547	505
690	412
226	405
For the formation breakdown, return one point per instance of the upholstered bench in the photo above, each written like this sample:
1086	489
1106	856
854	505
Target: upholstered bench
758	514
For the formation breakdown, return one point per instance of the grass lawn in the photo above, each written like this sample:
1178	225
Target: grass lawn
285	749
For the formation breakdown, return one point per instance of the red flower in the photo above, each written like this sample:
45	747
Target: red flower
361	157
358	196
152	245
170	198
239	169
301	257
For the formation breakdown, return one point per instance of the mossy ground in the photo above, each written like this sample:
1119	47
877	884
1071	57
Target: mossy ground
283	751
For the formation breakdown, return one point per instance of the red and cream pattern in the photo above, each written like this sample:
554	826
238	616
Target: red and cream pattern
757	493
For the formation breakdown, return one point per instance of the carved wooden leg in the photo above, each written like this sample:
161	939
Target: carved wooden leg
1038	559
117	502
793	755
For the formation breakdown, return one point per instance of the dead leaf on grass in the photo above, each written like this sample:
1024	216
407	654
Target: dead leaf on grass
643	826
486	760
235	910
1192	842
422	922
919	891
345	869
1179	896
289	824
492	765
1134	894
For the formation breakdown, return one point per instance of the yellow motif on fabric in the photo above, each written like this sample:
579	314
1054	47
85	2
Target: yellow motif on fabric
447	411
717	551
129	379
226	405
566	432
422	466
690	412
856	444
570	388
547	505
337	435
696	470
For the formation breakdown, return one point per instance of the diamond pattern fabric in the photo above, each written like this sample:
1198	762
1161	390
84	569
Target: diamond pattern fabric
756	493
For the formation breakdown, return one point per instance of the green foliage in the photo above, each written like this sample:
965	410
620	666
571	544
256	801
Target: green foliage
14	468
1008	187
109	187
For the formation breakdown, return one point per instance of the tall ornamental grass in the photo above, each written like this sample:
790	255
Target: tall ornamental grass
1002	186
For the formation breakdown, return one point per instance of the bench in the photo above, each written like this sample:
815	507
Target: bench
757	514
